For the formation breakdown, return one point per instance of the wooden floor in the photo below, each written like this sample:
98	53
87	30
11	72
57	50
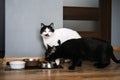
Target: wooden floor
86	72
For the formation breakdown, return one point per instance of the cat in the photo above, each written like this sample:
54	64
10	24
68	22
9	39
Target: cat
51	36
78	50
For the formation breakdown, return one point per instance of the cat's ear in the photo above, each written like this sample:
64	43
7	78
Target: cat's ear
42	25
48	46
54	48
59	42
52	24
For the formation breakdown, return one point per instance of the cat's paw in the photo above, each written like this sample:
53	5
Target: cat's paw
71	68
98	65
79	65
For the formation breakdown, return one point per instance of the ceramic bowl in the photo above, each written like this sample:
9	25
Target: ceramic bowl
17	64
31	62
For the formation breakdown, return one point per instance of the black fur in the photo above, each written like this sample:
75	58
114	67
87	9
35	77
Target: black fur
78	50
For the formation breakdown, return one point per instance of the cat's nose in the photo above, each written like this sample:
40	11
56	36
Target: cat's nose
46	34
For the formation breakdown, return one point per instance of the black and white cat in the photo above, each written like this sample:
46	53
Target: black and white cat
78	50
51	36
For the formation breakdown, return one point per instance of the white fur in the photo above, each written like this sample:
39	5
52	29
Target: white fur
62	34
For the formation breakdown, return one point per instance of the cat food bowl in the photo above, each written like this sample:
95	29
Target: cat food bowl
31	62
46	65
17	64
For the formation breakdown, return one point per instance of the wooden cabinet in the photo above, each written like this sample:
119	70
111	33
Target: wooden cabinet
102	14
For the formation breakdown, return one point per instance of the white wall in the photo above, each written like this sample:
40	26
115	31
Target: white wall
23	18
116	22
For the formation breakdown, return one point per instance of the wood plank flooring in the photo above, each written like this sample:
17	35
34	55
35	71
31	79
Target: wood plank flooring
86	72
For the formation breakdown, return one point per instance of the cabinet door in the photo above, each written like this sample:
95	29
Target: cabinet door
91	18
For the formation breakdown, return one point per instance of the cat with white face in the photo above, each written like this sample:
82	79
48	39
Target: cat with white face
51	36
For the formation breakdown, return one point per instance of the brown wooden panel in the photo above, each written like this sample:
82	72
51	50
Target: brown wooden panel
80	13
90	34
105	19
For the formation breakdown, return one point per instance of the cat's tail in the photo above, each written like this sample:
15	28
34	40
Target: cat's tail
113	56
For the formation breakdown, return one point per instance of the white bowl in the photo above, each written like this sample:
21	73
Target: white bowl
17	64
